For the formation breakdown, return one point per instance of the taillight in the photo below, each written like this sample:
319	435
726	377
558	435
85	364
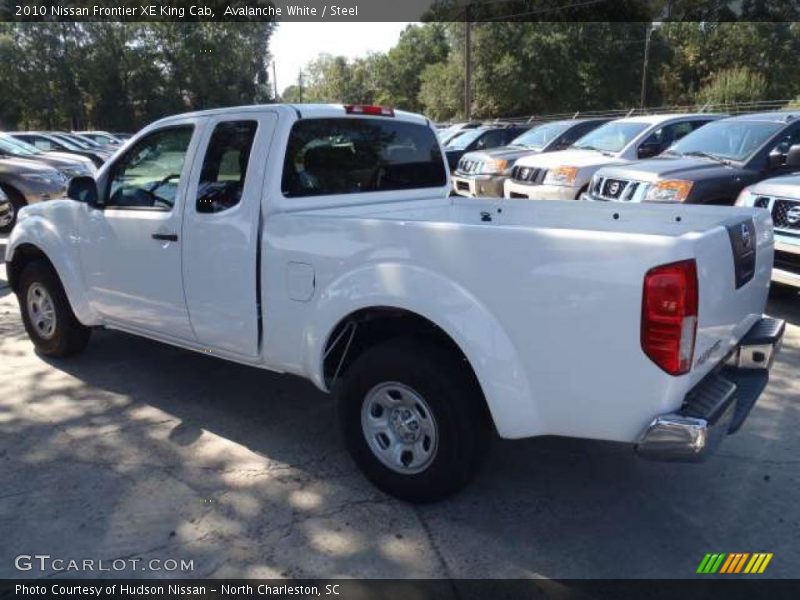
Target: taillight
669	315
360	109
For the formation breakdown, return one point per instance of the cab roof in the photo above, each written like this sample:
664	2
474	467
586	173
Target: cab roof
775	116
302	111
660	118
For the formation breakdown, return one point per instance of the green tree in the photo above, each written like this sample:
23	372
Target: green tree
121	76
738	84
442	91
398	72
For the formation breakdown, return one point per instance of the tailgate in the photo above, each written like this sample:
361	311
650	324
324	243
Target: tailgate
734	265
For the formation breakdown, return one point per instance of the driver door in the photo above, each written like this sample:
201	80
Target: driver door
131	248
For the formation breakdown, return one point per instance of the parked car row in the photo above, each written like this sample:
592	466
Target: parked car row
696	158
36	166
483	172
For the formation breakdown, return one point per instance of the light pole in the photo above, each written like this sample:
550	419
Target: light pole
467	63
274	81
648	34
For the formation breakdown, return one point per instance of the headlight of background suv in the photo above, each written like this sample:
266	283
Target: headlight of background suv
561	176
746	198
669	190
494	167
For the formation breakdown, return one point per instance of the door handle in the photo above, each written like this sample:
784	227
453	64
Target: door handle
167	237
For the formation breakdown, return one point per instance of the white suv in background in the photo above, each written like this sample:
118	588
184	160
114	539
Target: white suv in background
566	175
781	197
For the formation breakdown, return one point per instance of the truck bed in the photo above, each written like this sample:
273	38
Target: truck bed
564	281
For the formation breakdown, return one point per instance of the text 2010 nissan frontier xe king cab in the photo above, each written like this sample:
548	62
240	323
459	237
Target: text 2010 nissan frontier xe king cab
321	241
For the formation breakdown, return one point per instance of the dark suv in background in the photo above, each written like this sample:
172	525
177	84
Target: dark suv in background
710	165
480	138
483	172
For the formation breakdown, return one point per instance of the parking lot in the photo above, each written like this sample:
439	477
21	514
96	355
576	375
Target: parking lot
140	450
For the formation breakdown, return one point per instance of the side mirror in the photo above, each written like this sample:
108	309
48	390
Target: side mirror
648	150
84	189
793	157
775	159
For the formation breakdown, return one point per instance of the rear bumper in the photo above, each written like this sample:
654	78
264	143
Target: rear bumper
719	404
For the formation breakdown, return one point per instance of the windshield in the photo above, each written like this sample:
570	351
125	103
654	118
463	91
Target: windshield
443	134
102	138
86	140
80	143
59	142
9	145
22	144
611	137
733	140
464	139
540	136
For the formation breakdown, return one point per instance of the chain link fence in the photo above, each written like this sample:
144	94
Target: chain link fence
733	108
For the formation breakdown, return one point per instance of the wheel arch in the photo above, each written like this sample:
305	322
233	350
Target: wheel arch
443	312
34	239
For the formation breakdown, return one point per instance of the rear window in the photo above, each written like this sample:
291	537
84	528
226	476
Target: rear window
348	156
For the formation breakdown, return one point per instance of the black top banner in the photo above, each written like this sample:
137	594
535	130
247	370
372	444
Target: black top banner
400	10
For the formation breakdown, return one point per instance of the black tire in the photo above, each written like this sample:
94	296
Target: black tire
447	385
17	201
69	336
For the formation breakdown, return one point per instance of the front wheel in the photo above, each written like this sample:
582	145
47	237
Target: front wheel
46	313
413	419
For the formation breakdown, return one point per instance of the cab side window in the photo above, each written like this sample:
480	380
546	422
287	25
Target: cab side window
791	138
678	130
225	166
147	176
42	144
491	139
573	134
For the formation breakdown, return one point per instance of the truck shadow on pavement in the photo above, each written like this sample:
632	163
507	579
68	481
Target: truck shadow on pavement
137	449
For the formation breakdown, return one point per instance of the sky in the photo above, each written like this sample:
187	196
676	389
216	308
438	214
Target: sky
294	44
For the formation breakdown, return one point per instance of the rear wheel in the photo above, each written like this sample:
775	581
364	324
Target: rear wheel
46	313
413	419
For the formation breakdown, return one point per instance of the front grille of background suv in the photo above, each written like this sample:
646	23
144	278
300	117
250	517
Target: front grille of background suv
613	189
785	213
469	167
522	174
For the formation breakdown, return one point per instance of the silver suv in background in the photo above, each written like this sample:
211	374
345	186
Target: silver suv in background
781	197
484	172
27	182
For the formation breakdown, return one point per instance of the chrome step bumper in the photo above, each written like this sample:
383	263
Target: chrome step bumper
719	404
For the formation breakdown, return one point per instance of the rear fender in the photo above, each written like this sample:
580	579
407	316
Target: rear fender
453	309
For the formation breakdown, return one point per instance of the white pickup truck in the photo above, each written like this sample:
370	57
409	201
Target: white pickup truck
321	241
